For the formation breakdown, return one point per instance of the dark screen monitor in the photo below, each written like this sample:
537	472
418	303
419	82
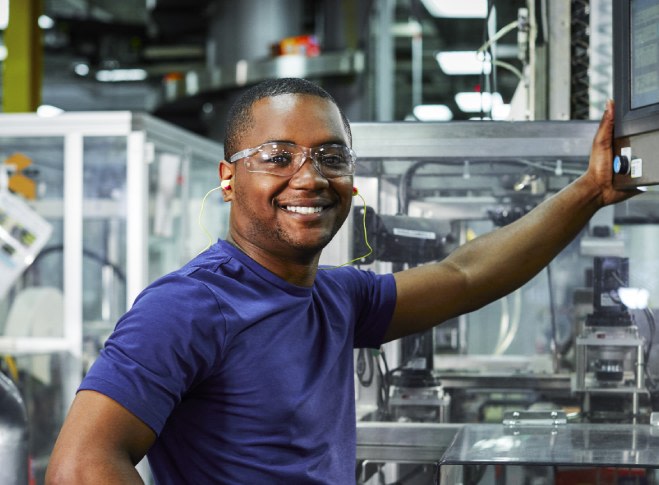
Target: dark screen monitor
636	92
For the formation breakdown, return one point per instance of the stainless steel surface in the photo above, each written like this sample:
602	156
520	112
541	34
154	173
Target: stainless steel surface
617	445
504	380
404	442
13	435
463	140
575	444
246	72
558	76
644	152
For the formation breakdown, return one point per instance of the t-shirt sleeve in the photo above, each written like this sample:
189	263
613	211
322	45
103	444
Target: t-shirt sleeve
167	342
376	300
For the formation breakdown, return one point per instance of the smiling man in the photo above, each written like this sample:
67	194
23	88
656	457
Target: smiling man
238	368
285	211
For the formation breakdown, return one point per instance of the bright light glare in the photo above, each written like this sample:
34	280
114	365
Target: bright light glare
500	111
4	14
634	298
81	69
118	75
45	22
48	111
457	8
464	62
433	112
3	53
473	102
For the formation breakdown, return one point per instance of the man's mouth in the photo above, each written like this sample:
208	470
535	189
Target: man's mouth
303	210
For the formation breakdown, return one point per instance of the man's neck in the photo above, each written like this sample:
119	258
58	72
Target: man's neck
296	269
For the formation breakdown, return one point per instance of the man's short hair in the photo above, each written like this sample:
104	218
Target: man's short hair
239	117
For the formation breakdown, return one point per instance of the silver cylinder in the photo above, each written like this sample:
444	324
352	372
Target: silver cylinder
248	28
13	435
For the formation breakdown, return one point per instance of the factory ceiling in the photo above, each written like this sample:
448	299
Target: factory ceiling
163	37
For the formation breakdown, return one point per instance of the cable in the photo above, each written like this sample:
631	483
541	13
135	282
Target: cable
652	327
86	252
406	178
504	325
12	367
199	221
370	249
646	355
487	80
503	31
539	166
364	256
514	321
365	363
383	388
511	68
554	327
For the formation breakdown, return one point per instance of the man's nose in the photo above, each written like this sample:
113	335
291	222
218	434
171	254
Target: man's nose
308	172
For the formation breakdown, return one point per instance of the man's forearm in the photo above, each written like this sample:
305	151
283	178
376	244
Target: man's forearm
499	262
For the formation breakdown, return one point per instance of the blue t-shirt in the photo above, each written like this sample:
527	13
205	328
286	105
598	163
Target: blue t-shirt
244	377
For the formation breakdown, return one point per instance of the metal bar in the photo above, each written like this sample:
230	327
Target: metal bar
73	198
384	64
98	123
559	67
137	218
491	140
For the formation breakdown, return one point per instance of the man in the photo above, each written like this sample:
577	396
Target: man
238	367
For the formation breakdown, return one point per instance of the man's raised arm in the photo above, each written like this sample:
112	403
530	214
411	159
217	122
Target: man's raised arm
493	265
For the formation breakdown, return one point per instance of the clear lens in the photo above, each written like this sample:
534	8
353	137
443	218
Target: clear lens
284	159
334	160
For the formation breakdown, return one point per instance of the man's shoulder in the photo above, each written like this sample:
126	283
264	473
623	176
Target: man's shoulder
349	279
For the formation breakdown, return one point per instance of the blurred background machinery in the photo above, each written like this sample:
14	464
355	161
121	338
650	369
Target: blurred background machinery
577	339
463	121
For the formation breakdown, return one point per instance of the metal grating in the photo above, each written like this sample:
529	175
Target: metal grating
580	60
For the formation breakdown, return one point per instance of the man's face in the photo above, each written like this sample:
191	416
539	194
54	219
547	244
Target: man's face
270	214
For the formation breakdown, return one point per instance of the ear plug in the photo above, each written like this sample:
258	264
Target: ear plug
355	191
225	184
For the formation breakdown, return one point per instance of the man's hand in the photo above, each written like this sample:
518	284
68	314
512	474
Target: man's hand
600	171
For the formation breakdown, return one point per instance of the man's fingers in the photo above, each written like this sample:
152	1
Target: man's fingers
604	134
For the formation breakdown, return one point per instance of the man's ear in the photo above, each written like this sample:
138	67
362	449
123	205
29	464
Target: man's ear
226	179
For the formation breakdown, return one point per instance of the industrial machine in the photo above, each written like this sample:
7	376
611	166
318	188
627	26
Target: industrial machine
570	342
115	204
610	352
636	91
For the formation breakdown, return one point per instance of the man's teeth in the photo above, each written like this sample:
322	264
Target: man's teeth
303	210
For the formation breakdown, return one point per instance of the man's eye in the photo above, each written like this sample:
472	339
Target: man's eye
332	160
280	159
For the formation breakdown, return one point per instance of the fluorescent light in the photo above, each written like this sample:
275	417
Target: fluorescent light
464	62
81	69
457	8
432	112
473	102
45	22
118	75
48	111
4	14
